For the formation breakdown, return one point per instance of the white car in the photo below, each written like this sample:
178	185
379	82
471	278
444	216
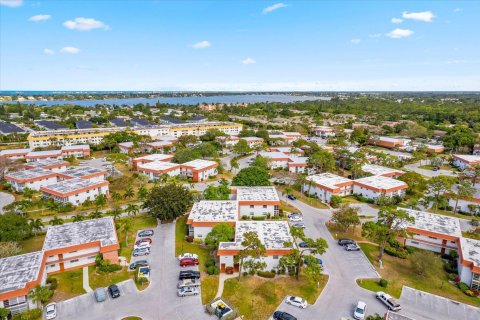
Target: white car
51	311
360	310
188	291
296	301
142	245
295	217
188	255
387	300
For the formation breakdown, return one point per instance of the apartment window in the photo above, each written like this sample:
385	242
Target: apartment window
74	260
432	238
414	242
252	206
275	257
52	265
264	206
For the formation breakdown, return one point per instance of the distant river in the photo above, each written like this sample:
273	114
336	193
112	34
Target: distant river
241	98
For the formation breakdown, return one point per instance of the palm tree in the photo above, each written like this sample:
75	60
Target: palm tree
128	193
56	221
97	214
288	190
465	190
116	196
234	164
36	225
87	203
115	212
100	200
164	178
142	192
132	209
127	225
28	193
78	218
40	295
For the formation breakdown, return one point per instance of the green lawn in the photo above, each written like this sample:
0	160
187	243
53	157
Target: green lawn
98	280
209	283
313	202
337	233
33	244
399	272
257	298
139	222
70	284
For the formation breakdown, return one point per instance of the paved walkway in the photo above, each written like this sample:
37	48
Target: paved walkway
221	282
5	199
86	280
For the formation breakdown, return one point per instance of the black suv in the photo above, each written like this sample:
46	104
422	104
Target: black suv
280	315
189	274
138	263
344	242
114	291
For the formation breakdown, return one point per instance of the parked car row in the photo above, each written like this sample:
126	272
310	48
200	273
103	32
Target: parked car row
100	294
189	280
142	245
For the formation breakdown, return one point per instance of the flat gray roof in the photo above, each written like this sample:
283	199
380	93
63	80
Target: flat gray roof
434	222
215	211
17	271
75	233
70	185
46	162
471	250
79	172
257	194
273	234
28	174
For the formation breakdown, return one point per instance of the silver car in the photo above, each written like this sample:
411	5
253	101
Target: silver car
188	291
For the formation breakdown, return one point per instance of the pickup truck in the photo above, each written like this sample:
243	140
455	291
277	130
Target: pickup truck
387	300
188	283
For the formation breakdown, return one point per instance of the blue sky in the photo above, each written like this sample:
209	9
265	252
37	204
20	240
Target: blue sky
239	45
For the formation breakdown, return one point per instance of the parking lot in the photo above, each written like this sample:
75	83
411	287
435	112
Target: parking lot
157	302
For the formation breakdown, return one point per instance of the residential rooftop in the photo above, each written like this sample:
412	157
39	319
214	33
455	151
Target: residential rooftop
381	182
29	174
298	160
199	164
287	149
17	271
468	157
214	211
471	250
76	147
273	155
329	180
14	151
257	194
77	233
166	138
80	172
434	222
273	234
155	157
7	127
44	153
158	166
380	170
46	163
160	144
70	185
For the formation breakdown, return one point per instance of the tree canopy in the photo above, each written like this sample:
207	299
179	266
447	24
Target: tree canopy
168	202
252	176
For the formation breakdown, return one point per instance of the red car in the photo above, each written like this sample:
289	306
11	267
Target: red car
188	262
143	240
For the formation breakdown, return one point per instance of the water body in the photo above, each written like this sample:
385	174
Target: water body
193	100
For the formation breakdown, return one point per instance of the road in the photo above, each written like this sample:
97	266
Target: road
5	199
428	173
157	302
342	293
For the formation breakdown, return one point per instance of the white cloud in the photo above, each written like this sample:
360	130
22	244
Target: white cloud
11	3
425	16
356	41
375	35
274	7
70	50
48	51
202	45
39	17
397	20
457	10
85	24
249	61
399	33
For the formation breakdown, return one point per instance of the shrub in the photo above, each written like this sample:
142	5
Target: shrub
410	249
396	253
33	314
244	217
448	268
469	293
107	267
452	276
383	283
453	254
463	286
245	273
189	239
52	283
211	270
209	263
197	241
457	279
266	274
258	218
335	201
229	270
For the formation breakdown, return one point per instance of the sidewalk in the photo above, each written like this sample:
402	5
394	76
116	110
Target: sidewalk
221	280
